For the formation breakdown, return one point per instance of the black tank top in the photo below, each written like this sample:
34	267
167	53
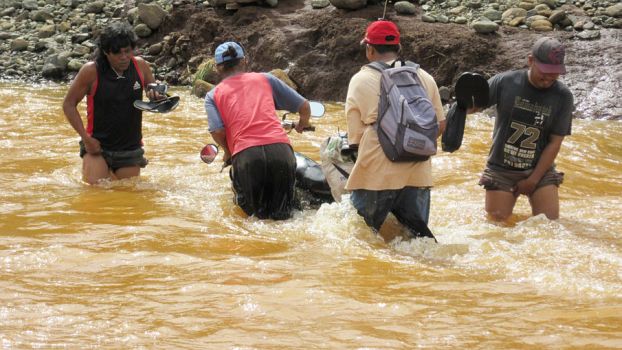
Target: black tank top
112	118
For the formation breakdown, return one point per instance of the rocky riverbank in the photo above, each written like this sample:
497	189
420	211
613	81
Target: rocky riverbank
316	41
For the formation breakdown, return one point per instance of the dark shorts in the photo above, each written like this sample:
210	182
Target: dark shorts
505	180
120	159
263	179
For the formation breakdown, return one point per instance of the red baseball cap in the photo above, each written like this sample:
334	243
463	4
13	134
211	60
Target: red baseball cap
382	33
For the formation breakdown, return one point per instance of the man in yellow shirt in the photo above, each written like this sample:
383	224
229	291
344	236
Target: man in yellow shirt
379	185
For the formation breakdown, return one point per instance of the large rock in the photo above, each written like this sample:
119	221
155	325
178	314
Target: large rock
30	5
94	7
349	4
318	4
405	8
513	13
541	25
47	30
142	30
151	14
55	66
615	10
41	15
484	26
19	44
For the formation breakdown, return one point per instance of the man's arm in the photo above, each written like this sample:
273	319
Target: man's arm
81	86
305	113
528	185
221	139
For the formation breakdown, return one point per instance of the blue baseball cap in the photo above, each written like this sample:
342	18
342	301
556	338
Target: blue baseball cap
221	55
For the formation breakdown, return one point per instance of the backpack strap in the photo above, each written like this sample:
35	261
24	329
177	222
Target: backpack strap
379	66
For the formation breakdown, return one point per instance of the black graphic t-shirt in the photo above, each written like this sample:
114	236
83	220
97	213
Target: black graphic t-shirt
526	118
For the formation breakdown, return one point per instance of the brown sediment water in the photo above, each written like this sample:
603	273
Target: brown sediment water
166	261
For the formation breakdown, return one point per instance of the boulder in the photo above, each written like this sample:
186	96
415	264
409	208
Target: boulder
405	8
94	7
541	25
615	10
319	4
151	14
19	44
484	26
142	30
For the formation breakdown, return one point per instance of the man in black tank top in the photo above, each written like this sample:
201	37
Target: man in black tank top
111	144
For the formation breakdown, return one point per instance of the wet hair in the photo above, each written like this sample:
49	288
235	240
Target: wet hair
233	61
113	38
386	48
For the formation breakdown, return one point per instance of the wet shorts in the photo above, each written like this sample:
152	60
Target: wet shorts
505	180
120	159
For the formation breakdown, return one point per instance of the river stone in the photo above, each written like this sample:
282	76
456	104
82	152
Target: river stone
349	4
527	5
30	5
474	4
614	11
461	20
155	49
318	4
557	16
493	15
7	11
80	51
7	35
54	66
541	25
513	13
272	3
132	15
543	10
151	14
94	7
484	26
74	65
405	8
47	31
41	15
457	10
428	18
518	21
142	30
19	44
552	4
589	35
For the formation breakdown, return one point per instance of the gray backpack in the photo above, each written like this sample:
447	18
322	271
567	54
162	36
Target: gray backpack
406	124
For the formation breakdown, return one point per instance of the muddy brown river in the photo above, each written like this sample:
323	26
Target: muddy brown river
166	261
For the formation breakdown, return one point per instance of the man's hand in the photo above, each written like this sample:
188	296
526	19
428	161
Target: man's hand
525	186
300	127
92	145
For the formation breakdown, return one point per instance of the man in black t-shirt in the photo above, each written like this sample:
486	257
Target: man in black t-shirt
534	114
